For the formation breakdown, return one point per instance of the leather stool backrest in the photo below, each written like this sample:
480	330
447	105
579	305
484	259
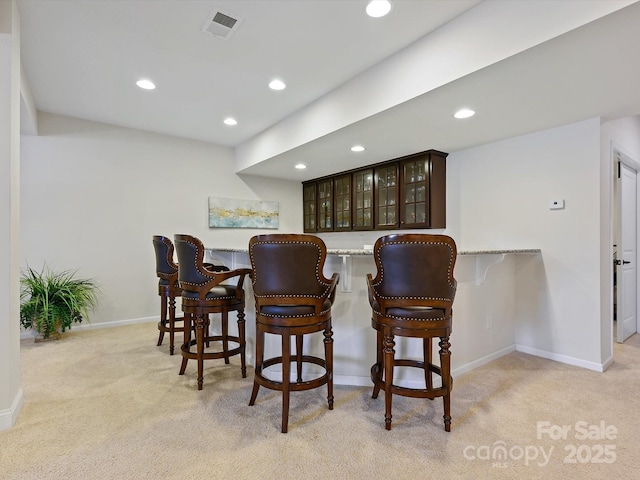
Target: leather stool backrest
166	268
288	265
190	251
415	266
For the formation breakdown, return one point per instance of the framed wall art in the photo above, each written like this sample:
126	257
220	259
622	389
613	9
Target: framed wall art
235	213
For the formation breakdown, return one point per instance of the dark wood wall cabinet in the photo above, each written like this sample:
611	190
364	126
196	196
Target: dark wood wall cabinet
404	193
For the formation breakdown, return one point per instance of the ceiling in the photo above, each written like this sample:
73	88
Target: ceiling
82	59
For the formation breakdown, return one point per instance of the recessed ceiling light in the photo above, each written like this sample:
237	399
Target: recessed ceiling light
277	85
357	148
146	84
378	8
464	113
301	166
230	121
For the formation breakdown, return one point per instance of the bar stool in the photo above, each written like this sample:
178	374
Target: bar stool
293	297
204	293
168	289
412	296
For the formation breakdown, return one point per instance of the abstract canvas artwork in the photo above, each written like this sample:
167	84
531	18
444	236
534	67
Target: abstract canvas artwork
234	213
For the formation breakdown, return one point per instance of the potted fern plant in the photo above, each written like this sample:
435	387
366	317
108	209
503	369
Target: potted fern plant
50	302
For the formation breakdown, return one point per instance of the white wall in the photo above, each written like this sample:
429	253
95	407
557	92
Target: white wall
10	381
93	195
498	196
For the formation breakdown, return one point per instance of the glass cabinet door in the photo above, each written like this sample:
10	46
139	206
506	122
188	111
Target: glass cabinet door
325	205
342	200
415	193
363	200
309	207
387	197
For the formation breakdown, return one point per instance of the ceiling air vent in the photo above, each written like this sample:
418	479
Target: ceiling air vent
221	25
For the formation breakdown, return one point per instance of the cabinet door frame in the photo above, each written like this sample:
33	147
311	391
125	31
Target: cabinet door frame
376	197
322	227
406	182
354	201
314	187
437	189
349	195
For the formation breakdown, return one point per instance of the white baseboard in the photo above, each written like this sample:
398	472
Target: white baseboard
467	367
352	380
597	367
117	323
607	363
9	416
90	326
365	381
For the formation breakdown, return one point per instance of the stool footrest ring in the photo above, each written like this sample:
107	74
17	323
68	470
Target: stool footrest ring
187	353
376	378
294	386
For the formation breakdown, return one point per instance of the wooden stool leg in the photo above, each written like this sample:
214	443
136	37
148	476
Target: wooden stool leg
172	323
200	324
243	343
225	335
428	352
207	329
328	358
186	342
163	319
445	365
259	360
379	362
299	343
388	376
286	373
254	393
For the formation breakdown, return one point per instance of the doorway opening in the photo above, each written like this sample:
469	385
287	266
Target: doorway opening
625	247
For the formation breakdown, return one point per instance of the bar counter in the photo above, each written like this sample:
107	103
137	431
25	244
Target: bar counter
491	298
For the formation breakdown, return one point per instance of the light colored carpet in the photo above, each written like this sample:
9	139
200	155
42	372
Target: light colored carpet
109	404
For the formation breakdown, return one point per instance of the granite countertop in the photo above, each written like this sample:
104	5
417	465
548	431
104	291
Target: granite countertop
362	251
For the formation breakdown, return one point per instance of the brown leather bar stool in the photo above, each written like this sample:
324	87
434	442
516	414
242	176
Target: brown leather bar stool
168	289
293	297
412	296
204	293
